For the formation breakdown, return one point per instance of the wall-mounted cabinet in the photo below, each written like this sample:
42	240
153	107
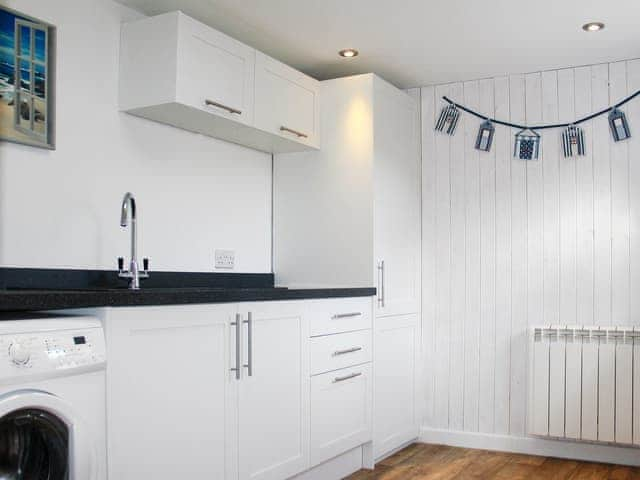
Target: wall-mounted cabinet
178	71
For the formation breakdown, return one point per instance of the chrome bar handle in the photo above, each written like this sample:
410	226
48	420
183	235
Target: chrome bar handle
338	316
249	364
381	283
295	132
211	103
237	324
346	377
348	350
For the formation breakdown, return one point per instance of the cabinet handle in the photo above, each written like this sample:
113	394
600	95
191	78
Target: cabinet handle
381	283
346	377
348	350
211	103
338	316
249	364
237	324
295	132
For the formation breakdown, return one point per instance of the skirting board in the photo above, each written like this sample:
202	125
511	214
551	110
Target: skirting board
533	446
335	469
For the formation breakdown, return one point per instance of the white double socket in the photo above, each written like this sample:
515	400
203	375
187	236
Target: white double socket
225	259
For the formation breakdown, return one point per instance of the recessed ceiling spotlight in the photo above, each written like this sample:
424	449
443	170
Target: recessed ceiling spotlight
348	53
593	26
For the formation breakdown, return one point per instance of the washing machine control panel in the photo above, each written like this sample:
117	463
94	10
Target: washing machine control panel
47	352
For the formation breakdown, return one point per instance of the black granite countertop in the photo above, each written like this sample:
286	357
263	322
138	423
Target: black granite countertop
33	300
37	290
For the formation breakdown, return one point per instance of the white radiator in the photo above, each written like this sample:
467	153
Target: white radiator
584	383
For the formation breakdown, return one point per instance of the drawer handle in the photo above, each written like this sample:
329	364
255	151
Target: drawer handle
295	132
211	103
338	316
346	377
348	350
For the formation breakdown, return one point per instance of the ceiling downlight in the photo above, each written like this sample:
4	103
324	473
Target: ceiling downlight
593	26
349	53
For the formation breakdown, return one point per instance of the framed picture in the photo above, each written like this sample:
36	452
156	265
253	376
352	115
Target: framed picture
27	73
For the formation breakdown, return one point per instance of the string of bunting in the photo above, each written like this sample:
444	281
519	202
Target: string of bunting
528	140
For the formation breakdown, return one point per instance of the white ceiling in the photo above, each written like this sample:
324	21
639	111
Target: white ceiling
421	42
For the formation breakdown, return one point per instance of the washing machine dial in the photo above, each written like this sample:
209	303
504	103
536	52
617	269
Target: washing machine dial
19	353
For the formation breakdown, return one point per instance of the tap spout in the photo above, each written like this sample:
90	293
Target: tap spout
129	204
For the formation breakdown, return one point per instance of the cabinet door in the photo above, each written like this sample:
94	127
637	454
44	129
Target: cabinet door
215	72
287	102
340	411
397	200
170	394
274	392
396	354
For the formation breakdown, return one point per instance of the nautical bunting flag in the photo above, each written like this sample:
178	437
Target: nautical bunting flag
619	126
573	141
527	145
448	120
485	136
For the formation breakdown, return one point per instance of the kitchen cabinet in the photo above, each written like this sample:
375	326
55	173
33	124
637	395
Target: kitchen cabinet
215	73
341	357
350	215
397	201
224	391
274	392
341	411
178	71
396	360
287	101
171	398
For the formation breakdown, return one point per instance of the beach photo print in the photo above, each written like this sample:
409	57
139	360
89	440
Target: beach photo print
26	86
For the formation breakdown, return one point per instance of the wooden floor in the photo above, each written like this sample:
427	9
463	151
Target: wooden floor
431	462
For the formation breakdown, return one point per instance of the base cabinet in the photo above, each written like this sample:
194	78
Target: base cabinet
396	353
226	392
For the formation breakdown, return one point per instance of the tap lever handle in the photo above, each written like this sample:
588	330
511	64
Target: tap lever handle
145	264
120	264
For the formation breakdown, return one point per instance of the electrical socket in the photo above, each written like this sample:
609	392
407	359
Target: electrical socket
225	259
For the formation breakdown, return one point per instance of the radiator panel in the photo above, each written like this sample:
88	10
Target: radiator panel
585	384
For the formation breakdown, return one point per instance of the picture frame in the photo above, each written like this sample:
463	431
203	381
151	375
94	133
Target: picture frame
27	80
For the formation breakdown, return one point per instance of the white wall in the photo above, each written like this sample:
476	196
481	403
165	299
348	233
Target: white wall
61	208
509	244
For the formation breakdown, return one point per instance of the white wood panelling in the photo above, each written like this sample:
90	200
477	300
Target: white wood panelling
503	148
429	267
508	244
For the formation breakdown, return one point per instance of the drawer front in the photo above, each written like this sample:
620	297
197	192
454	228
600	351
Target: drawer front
341	416
343	315
333	352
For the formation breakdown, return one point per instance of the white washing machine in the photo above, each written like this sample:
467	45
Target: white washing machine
52	398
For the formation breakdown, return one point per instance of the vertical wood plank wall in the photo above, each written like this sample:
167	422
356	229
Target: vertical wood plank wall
509	244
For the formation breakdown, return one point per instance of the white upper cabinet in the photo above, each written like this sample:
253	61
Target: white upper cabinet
215	72
178	71
287	101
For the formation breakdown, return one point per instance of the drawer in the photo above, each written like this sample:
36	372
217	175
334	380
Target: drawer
327	317
333	352
341	417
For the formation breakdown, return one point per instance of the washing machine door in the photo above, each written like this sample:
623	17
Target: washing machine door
41	439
